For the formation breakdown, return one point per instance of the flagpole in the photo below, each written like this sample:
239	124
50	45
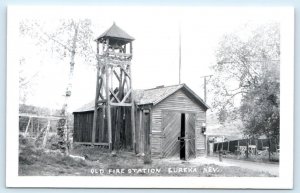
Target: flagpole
179	28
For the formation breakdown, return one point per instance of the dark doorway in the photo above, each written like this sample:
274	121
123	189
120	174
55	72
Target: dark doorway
182	136
147	149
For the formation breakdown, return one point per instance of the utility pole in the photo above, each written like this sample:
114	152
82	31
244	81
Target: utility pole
204	78
179	28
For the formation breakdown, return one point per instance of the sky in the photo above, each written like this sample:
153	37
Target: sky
155	48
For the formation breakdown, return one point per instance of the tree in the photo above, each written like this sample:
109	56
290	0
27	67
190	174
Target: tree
25	81
246	84
68	39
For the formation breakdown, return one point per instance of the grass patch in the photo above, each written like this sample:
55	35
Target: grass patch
35	161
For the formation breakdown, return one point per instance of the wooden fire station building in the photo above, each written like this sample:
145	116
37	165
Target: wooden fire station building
169	122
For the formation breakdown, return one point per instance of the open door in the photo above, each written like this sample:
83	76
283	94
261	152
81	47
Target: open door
190	147
182	138
170	133
178	139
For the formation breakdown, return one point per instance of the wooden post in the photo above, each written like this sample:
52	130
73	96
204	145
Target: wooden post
238	146
32	126
108	108
46	134
269	140
228	146
142	134
38	127
222	146
96	106
132	108
256	146
26	130
247	149
131	48
103	124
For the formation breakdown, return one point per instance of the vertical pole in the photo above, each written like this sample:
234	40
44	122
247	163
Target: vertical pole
32	126
46	134
222	145
204	88
111	79
26	130
132	107
247	149
238	146
228	146
256	146
269	140
179	54
142	134
108	108
38	127
96	98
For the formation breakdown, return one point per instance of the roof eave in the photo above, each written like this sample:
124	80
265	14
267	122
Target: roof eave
196	96
156	102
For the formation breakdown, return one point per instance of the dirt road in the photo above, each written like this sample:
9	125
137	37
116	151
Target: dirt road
256	166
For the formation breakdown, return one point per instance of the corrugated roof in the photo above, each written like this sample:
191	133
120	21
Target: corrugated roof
152	96
116	32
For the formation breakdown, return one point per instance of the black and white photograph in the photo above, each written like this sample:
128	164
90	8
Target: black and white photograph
177	97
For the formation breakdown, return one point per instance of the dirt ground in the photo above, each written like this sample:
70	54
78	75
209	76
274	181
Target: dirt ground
35	161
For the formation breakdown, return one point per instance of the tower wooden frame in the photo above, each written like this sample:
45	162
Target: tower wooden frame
114	86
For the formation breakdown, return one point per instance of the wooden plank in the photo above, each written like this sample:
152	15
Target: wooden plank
126	96
121	104
40	116
132	114
171	132
46	134
108	111
119	55
114	95
124	70
141	140
89	143
117	76
26	131
96	106
191	133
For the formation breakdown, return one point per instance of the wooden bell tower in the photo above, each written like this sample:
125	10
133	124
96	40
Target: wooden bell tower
114	93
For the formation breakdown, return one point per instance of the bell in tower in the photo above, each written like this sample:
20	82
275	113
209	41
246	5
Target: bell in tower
113	122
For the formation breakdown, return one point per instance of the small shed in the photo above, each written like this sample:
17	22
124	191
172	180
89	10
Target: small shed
170	122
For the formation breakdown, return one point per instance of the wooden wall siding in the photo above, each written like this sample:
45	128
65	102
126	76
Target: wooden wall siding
83	125
190	133
125	128
171	131
181	103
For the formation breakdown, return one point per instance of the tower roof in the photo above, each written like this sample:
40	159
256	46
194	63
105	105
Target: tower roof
115	32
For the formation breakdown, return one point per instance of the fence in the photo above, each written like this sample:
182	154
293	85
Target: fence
245	148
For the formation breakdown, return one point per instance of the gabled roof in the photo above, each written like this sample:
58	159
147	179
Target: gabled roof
153	96
158	94
115	32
